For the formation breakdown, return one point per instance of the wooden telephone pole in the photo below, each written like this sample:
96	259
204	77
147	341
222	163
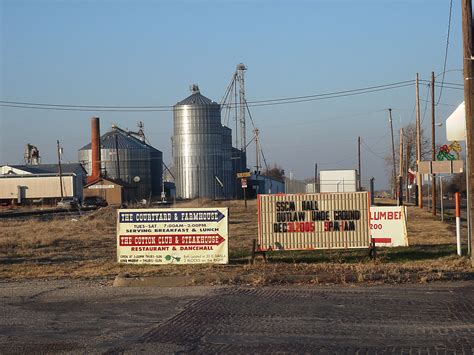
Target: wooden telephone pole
419	180
433	145
360	174
394	174
469	103
60	170
401	172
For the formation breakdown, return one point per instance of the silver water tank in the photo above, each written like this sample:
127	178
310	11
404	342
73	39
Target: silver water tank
200	158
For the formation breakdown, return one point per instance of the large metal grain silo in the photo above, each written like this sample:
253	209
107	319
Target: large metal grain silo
198	148
126	158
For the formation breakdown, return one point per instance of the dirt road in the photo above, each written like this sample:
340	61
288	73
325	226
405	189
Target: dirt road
87	316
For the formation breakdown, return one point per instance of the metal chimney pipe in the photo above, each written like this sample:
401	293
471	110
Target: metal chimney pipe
95	145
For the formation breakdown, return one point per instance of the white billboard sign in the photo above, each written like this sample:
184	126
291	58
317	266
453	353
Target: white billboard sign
456	124
313	221
388	226
173	236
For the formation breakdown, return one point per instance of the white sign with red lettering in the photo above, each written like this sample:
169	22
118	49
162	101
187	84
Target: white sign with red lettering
388	226
173	236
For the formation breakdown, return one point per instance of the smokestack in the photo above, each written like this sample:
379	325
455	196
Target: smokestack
95	143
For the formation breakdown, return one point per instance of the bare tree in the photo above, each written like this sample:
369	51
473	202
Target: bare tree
409	149
276	172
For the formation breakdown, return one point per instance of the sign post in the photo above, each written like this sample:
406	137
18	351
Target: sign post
458	223
243	180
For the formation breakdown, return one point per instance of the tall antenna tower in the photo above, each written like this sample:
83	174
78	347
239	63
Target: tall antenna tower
234	102
240	72
234	97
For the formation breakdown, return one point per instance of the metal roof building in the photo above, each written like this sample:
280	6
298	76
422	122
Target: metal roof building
25	183
127	158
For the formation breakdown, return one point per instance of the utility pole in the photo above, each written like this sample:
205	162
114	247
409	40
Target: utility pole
468	46
401	165
257	152
419	180
394	177
360	174
433	145
257	160
315	178
407	174
400	177
60	170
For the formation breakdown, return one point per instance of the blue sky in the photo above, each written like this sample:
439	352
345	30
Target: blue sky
142	53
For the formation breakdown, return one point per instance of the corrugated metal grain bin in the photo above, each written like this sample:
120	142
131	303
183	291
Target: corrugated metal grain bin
126	158
314	221
200	148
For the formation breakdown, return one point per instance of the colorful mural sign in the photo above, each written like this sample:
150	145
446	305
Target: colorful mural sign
445	152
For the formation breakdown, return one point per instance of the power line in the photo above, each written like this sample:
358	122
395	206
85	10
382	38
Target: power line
330	97
446	50
426	104
352	157
445	83
73	108
330	119
449	87
412	116
334	93
371	151
442	103
164	108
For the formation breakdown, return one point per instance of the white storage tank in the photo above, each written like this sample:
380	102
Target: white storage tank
338	181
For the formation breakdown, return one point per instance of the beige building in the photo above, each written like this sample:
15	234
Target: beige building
24	184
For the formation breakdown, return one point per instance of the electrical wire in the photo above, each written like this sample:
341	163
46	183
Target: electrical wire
164	108
446	50
331	119
371	151
339	161
446	83
426	104
412	116
333	93
442	103
327	96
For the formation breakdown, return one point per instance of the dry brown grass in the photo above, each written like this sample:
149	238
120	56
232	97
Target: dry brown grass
425	229
85	247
